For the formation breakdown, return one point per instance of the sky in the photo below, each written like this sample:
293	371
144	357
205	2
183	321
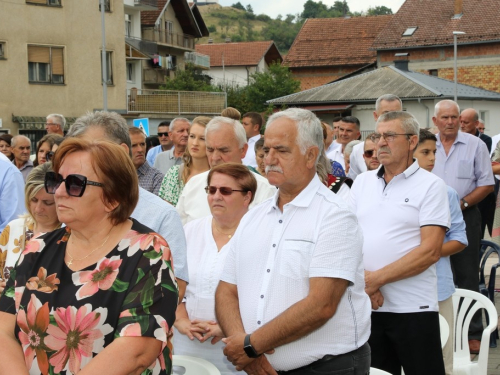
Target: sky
284	7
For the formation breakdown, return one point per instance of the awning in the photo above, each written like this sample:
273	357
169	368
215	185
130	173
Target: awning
328	107
136	48
37	122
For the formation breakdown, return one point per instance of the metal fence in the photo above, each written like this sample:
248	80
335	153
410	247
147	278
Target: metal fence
175	102
159	35
197	59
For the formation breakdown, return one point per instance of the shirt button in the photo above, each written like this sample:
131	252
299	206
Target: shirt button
258	322
281	221
261	296
274	245
268	270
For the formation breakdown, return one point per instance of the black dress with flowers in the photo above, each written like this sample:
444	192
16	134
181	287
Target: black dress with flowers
64	318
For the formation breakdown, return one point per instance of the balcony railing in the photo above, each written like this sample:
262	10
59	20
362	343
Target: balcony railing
162	36
145	46
197	59
146	4
155	76
175	102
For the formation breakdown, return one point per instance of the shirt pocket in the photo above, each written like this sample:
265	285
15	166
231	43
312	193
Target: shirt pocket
296	258
465	169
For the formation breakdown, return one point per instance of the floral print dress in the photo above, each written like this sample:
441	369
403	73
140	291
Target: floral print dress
172	185
65	317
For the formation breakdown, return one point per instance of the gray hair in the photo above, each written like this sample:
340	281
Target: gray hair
348	148
61	121
481	121
309	130
323	167
449	102
408	122
114	126
387	98
239	130
178	119
16	138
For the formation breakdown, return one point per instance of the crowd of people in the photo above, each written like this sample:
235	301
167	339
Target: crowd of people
295	249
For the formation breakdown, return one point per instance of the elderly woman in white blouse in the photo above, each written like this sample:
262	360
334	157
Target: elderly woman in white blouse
230	190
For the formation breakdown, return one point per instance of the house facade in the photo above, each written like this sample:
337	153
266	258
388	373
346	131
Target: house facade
232	64
424	30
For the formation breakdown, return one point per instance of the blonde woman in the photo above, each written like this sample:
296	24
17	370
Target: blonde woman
195	161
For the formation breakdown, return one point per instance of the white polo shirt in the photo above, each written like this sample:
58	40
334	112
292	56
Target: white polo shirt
272	257
337	155
357	162
193	202
391	217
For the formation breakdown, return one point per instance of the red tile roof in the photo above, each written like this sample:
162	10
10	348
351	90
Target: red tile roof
433	18
240	54
336	41
149	17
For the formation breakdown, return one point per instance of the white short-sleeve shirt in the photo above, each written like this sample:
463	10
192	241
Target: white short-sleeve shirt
274	254
391	217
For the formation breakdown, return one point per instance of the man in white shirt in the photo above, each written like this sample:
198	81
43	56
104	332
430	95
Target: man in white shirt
404	214
292	287
348	131
226	142
252	122
385	103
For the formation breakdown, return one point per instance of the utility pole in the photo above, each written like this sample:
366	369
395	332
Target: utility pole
103	59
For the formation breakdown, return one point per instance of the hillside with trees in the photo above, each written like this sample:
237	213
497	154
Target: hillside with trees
241	24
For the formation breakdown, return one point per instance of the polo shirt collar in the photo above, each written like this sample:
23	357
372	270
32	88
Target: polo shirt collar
304	198
29	163
407	172
254	139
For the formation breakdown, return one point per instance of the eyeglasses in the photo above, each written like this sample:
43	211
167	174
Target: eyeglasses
369	153
75	183
165	134
49	155
389	137
224	190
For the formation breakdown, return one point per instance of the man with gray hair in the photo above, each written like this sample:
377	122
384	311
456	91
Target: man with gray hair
55	124
226	142
293	281
178	134
403	212
151	210
21	146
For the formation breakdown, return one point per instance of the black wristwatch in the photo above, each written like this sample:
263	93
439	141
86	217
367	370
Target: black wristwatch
249	349
464	202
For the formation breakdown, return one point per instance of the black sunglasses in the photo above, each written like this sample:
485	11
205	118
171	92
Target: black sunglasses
163	134
369	153
49	155
224	190
75	183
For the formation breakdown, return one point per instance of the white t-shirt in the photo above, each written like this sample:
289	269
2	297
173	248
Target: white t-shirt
193	202
391	217
249	158
273	255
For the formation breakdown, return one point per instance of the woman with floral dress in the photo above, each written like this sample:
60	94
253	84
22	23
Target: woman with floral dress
98	296
195	161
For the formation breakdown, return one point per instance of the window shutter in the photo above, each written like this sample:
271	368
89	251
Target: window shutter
57	61
44	2
38	54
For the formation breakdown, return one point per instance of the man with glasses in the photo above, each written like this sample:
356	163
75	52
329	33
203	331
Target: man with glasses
463	162
403	212
179	134
55	124
370	153
165	142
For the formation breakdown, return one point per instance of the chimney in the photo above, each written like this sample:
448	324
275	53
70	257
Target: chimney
459	8
401	61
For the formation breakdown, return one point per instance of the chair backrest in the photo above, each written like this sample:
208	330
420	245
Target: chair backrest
465	305
194	365
488	248
444	330
376	371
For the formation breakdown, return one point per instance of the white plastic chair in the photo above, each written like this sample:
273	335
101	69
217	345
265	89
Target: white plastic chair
376	371
444	330
194	366
462	363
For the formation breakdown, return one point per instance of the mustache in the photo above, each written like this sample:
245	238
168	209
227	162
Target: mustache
273	168
383	149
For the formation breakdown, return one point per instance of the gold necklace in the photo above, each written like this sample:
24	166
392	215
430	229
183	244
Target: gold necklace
89	254
226	234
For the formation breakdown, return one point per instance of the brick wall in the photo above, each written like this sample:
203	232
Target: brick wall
314	77
485	76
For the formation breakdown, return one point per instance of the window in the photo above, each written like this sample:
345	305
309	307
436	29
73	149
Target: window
2	50
130	72
410	31
56	3
483	115
45	64
128	24
433	72
109	67
107	5
169	31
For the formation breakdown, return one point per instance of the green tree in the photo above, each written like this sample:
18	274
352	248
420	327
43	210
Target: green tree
378	10
340	8
276	82
189	80
238	5
313	9
249	8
